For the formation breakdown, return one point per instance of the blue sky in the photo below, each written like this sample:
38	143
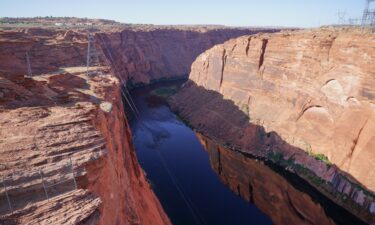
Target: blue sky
302	13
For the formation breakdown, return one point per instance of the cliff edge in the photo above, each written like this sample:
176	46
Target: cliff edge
66	151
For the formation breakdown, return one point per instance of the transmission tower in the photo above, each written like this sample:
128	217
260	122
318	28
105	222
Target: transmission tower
92	54
368	18
29	73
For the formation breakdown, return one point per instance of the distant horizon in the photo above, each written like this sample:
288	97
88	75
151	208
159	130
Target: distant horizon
269	13
222	25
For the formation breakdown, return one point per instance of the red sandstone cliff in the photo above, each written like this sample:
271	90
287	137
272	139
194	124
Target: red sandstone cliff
154	54
301	96
60	116
138	54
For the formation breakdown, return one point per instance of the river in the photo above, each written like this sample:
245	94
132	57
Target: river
200	182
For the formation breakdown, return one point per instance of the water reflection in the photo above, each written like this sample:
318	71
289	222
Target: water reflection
199	188
260	185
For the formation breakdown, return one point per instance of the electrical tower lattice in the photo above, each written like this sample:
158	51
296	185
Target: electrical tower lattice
29	72
368	18
92	54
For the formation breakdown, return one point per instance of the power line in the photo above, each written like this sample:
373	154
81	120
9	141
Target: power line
126	95
128	98
184	197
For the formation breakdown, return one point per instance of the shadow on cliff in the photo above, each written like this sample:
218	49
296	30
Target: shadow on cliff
280	195
163	53
221	120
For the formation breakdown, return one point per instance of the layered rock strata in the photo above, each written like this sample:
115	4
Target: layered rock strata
143	56
69	118
62	123
304	99
64	120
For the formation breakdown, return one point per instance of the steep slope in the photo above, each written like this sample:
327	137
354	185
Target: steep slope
71	118
142	56
260	185
304	98
63	123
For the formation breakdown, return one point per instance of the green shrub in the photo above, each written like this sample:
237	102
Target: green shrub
321	157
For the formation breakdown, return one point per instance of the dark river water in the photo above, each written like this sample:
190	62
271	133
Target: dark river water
200	182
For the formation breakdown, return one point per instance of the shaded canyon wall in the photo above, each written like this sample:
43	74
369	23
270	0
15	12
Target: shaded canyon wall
143	56
61	113
304	98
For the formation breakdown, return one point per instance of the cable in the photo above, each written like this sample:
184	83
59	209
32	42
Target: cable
184	196
130	101
197	218
188	203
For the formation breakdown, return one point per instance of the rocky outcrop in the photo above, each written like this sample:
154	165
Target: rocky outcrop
61	124
77	126
303	97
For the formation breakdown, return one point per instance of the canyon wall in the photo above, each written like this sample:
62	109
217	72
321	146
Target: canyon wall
285	199
65	122
59	124
143	56
48	50
304	98
140	55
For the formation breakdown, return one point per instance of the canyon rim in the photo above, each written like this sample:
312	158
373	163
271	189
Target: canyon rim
112	123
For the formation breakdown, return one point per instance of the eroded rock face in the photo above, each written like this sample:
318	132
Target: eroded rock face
48	50
59	116
143	56
301	94
44	133
140	55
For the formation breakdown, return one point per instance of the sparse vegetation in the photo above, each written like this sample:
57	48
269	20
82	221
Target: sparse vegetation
323	158
317	156
320	157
